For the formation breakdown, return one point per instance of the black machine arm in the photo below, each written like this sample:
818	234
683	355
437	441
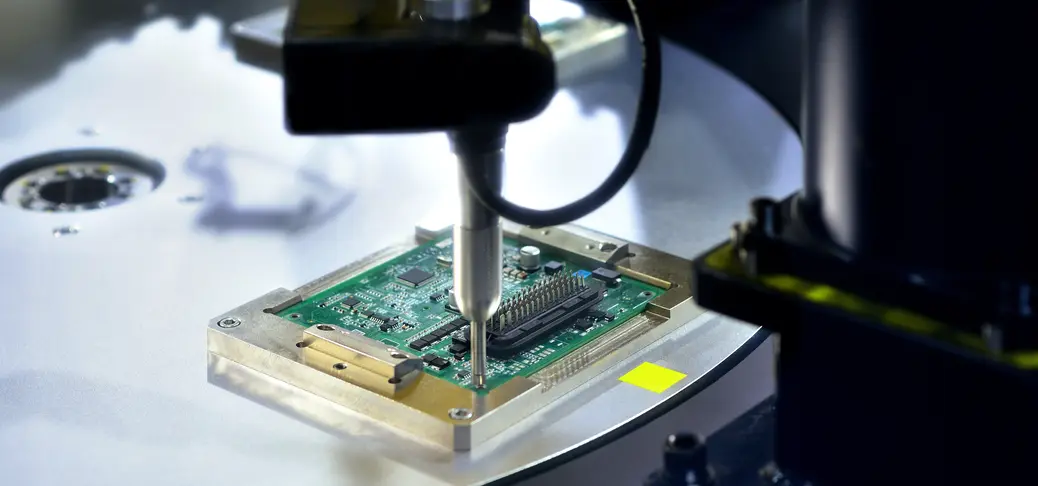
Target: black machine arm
381	67
385	67
900	278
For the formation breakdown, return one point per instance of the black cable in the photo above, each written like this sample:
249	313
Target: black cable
641	134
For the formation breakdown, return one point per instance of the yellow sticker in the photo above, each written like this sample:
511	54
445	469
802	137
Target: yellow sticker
652	377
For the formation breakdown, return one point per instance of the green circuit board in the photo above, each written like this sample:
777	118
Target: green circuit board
368	302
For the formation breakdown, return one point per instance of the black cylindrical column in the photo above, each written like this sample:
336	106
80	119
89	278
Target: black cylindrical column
920	134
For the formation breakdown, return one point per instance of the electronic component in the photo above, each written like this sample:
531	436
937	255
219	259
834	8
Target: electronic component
438	296
445	260
436	335
446	330
414	277
350	302
553	267
418	344
582	274
459	344
435	361
452	300
530	258
550	304
388	325
600	315
367	313
610	277
583	325
515	273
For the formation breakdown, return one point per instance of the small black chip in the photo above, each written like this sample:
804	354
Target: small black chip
551	268
600	315
366	313
435	361
462	374
414	277
388	325
436	335
583	325
462	339
437	297
418	344
610	277
457	349
350	302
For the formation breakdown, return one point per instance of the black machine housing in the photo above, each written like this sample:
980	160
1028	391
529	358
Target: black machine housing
900	278
385	69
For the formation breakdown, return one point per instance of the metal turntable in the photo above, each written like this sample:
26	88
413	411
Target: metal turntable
151	186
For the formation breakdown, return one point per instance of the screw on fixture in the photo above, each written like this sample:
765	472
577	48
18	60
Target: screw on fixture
765	214
460	413
229	322
190	198
65	231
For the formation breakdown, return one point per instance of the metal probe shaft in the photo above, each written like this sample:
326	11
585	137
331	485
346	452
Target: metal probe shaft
477	250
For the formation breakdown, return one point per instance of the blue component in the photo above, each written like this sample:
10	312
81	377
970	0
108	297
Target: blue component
582	274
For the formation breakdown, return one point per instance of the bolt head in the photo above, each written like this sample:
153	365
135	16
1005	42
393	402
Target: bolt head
685	452
460	413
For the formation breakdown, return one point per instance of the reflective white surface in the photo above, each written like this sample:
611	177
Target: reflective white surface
102	352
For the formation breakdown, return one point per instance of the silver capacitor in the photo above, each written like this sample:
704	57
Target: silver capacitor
452	300
530	258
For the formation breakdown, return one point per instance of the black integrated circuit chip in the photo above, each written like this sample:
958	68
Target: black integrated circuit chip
583	325
414	277
388	325
551	268
437	334
350	302
610	277
435	361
